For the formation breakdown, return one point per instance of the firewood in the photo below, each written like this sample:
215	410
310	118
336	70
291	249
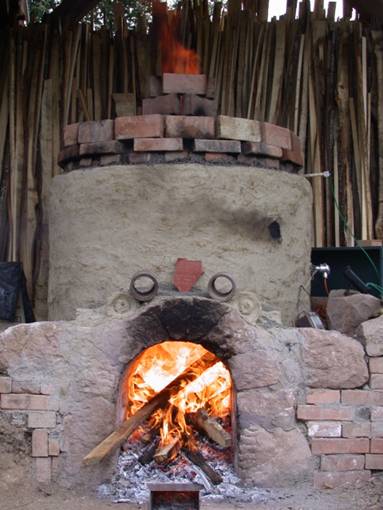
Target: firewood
197	459
116	438
211	428
149	451
163	453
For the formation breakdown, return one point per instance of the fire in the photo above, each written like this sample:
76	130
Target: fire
175	57
207	388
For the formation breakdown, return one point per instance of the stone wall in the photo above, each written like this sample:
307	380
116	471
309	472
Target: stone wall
106	224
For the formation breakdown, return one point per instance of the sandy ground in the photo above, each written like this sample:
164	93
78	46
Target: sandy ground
302	497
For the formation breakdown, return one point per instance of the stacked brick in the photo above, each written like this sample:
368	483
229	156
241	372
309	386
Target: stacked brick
32	406
180	125
345	429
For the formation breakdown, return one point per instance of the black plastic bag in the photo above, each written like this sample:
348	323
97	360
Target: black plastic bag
13	285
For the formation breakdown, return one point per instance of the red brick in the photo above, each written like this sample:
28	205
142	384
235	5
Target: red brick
68	154
111	147
331	480
362	397
53	447
323	397
376	365
376	381
377	429
166	105
85	162
189	127
324	429
158	144
95	131
295	155
139	158
276	135
5	384
41	419
314	413
229	146
40	443
43	469
170	157
25	401
184	83
25	387
219	157
374	461
235	128
262	149
362	429
139	126
377	445
342	462
192	104
377	413
71	134
110	159
322	446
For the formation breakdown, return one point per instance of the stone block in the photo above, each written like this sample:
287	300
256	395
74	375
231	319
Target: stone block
41	419
5	384
332	480
371	334
263	149
362	397
324	429
71	134
229	146
235	128
158	144
342	462
377	429
332	360
192	104
140	126
139	158
323	396
40	443
346	313
374	461
43	469
244	366
25	401
376	365
95	131
184	83
377	445
376	381
53	446
377	413
189	127
165	105
314	413
93	149
362	429
219	157
26	387
323	446
276	135
295	155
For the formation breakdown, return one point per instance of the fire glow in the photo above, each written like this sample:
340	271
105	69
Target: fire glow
207	388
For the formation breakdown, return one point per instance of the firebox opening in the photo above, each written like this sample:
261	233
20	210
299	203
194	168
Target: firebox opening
189	390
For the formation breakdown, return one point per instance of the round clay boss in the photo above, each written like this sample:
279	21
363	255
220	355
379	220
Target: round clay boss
219	295
143	295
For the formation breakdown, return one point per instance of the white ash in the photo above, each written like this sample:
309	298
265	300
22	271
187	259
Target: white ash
129	482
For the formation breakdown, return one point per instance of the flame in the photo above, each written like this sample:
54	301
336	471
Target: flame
175	58
207	388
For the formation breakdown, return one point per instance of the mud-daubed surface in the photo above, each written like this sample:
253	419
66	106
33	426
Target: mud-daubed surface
301	497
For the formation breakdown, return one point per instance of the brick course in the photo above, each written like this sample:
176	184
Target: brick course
139	126
323	397
331	480
374	461
184	83
234	128
313	413
95	131
324	429
40	443
25	401
356	429
189	127
323	446
41	419
362	397
158	144
276	135
342	462
376	446
230	146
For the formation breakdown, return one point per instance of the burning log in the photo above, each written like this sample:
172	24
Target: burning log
211	428
148	453
116	438
164	453
197	459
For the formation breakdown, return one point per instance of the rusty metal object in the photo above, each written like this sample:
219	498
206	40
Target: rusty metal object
221	295
174	495
141	295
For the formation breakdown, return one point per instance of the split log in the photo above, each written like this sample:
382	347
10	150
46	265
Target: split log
148	453
197	459
116	438
211	428
163	453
